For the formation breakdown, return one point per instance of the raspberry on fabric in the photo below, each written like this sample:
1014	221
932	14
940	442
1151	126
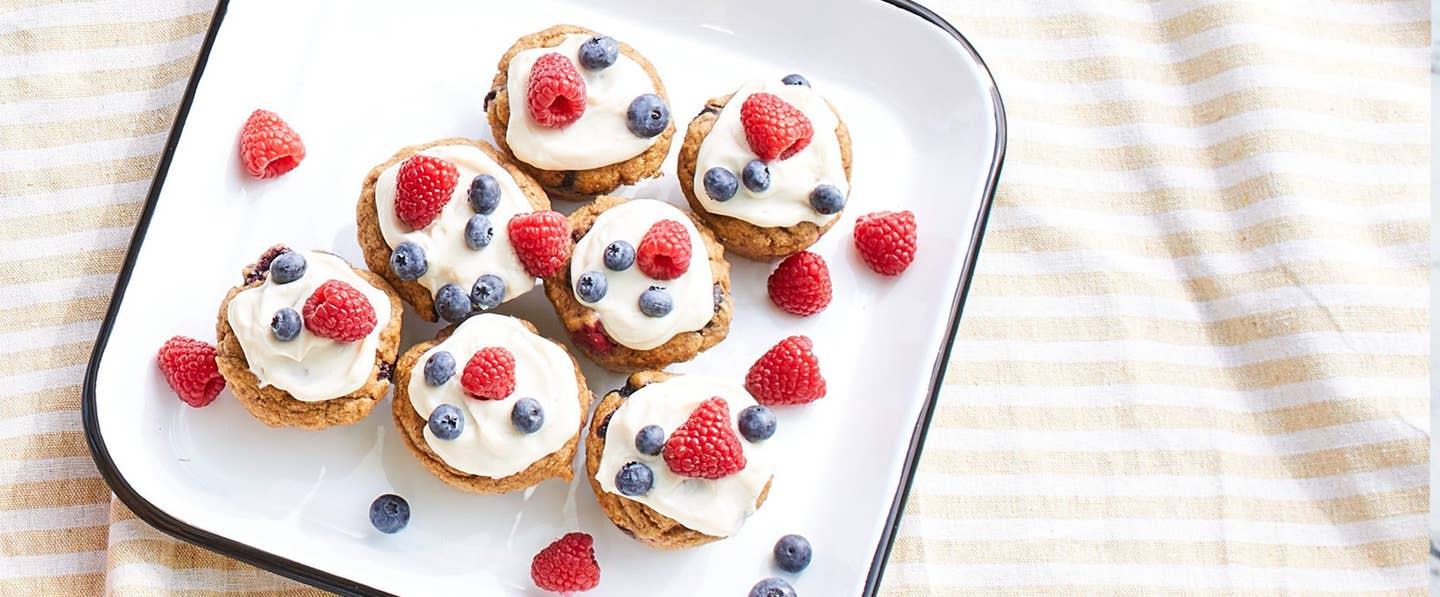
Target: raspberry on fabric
338	311
567	565
788	373
886	241
268	146
490	374
556	93
801	284
422	188
541	240
705	445
664	251
774	128
189	368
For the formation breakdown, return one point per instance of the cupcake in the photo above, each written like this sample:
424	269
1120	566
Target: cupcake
489	406
767	167
579	111
307	340
646	285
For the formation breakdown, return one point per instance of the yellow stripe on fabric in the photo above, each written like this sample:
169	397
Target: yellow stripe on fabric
1200	288
45	400
1224	332
66	265
1080	25
1224	153
54	541
1191	243
78	176
1229	198
16	136
90	583
89	36
35	446
1398	552
1203	112
41	315
105	215
55	492
40	359
52	86
1250	376
1294	419
137	591
1212	63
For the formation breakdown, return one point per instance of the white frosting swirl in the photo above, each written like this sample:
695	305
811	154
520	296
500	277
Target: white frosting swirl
449	260
600	136
787	201
619	309
489	444
715	507
309	367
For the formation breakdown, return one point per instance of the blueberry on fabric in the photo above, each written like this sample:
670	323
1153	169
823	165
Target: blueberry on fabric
408	261
478	232
634	479
488	292
527	415
720	184
648	115
792	553
452	303
827	199
656	302
439	368
484	194
619	255
650	439
287	267
599	52
285	325
794	79
756	176
757	423
591	286
446	422
389	513
772	587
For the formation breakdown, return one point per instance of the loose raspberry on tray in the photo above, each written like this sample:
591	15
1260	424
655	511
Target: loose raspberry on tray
541	240
788	373
886	240
490	374
268	146
567	565
189	368
664	252
422	188
774	128
801	284
705	445
338	311
556	94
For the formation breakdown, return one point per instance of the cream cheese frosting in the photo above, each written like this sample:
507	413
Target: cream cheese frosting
600	136
311	368
489	445
715	507
787	200
619	309
448	259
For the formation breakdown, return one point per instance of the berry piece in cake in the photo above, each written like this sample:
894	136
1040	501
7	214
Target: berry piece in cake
527	415
490	374
886	240
287	267
794	79
634	479
338	311
268	146
705	446
801	284
452	303
591	286
422	188
772	587
389	513
599	52
774	128
189	368
792	553
720	184
439	368
656	302
408	262
647	115
487	292
567	565
619	255
592	337
664	252
756	176
285	324
478	232
484	194
556	94
446	422
757	423
541	240
788	373
826	199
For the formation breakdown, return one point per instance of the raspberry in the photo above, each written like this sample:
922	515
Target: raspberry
788	373
705	445
490	374
801	284
422	188
774	128
189	367
268	146
593	337
556	94
541	240
886	240
664	252
567	565
338	311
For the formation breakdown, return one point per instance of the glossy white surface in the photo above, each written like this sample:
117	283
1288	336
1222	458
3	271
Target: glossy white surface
304	495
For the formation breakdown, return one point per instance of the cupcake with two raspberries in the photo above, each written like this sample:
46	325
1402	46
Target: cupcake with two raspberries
767	167
679	461
580	112
307	340
646	286
490	406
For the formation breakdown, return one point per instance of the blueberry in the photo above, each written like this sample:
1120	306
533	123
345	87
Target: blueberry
827	199
287	267
452	303
772	587
389	513
794	79
591	286
650	440
720	184
756	176
792	553
648	115
619	255
527	416
488	291
634	479
408	261
484	194
655	302
599	52
446	422
285	325
757	423
439	368
478	232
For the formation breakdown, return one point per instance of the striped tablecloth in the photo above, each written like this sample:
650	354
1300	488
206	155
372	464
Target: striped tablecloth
1194	357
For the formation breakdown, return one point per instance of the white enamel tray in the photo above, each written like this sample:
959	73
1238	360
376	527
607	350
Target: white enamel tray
359	80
